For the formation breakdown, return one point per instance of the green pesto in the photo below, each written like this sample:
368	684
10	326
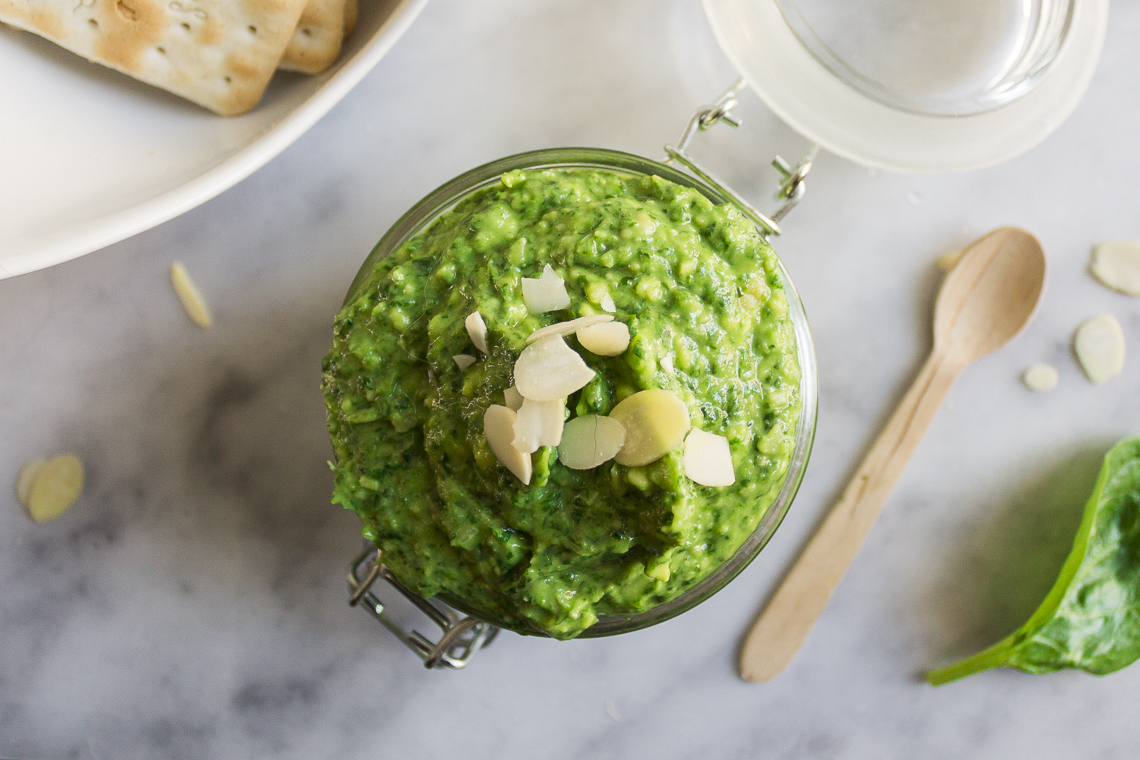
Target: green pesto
697	286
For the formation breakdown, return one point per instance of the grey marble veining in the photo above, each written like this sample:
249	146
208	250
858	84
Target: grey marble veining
192	604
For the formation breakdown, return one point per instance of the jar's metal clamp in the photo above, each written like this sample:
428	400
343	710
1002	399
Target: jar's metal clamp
792	185
462	636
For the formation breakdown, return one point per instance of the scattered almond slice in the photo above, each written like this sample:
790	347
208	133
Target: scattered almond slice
547	293
1116	263
590	441
1099	346
498	428
538	424
609	339
513	398
666	363
566	328
477	329
655	422
25	478
607	304
54	487
948	260
1040	377
189	295
708	459
463	361
550	369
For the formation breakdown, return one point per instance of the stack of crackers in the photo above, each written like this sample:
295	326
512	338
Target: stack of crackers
217	53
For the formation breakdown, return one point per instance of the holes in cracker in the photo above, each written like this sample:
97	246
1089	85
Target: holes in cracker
161	50
252	29
126	12
228	80
93	23
306	31
185	26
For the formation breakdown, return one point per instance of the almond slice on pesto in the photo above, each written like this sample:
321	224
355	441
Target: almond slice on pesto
571	326
463	361
590	441
498	429
610	339
538	424
477	330
513	398
655	423
550	369
546	293
708	459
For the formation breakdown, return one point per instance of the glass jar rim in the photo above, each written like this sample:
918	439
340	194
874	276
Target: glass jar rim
435	203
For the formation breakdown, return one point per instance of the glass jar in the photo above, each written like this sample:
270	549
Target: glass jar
933	57
448	195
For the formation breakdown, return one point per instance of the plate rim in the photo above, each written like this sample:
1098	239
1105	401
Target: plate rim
120	225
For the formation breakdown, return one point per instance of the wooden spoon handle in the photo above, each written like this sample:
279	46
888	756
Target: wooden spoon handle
777	634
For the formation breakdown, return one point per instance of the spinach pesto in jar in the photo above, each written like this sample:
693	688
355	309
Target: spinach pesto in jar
708	322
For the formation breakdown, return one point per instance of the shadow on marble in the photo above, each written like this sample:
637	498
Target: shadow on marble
1009	560
198	586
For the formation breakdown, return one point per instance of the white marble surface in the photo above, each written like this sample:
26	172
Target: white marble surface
192	604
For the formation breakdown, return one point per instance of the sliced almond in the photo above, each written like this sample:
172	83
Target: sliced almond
25	478
655	422
477	330
666	364
1040	377
550	369
189	295
55	487
610	339
1099	346
1116	263
590	441
567	328
463	361
546	293
708	459
607	304
513	398
498	428
538	424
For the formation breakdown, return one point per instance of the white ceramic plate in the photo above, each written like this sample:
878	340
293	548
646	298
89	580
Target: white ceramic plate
89	156
818	105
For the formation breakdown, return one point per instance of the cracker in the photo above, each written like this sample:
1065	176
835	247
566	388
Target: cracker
217	53
316	41
350	12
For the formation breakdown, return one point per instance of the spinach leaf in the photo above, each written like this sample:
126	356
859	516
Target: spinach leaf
1091	617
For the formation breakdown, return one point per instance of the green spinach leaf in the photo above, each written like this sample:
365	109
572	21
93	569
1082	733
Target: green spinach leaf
1091	617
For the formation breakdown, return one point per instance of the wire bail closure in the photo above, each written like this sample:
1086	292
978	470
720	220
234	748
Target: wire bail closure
792	184
462	635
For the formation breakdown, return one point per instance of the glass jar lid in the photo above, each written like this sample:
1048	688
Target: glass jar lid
916	86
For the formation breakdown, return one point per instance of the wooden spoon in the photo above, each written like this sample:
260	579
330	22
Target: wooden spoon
989	296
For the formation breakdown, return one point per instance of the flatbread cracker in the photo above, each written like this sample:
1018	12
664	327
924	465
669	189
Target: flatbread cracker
350	12
316	40
217	53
